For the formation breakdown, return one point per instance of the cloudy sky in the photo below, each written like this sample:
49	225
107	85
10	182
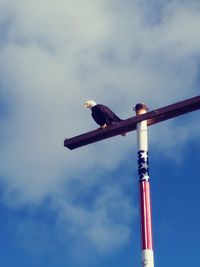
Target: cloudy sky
80	208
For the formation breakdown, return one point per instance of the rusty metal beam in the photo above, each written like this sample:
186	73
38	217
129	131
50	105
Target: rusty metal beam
152	117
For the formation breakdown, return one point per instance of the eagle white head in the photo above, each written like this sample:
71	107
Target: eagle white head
90	104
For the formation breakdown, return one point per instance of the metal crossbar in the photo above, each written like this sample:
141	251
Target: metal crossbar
152	117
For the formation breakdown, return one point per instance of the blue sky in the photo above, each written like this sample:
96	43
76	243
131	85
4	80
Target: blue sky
80	208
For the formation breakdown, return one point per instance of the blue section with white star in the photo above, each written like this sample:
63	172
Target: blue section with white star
143	165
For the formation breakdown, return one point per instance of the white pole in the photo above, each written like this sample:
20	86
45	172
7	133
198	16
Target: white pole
144	190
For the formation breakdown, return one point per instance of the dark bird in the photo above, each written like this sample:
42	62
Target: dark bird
102	115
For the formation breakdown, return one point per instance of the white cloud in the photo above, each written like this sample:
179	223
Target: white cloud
56	55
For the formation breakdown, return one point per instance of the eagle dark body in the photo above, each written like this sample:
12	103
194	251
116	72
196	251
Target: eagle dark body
103	115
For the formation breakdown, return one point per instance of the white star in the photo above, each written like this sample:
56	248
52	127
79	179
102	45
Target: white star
145	166
145	178
144	155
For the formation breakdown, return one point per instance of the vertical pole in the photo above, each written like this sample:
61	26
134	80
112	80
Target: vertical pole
144	190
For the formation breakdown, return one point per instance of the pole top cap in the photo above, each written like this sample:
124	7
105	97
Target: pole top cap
140	106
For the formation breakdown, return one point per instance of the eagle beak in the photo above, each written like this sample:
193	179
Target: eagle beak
85	105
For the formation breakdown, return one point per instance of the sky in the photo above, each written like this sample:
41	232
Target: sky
80	208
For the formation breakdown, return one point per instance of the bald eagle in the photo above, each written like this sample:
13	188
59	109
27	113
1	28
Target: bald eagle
102	115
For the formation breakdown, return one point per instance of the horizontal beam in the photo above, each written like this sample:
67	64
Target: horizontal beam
152	117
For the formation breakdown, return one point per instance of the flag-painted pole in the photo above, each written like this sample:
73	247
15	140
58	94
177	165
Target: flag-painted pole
144	190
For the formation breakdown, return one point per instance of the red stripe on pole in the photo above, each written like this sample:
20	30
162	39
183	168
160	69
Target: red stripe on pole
145	212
